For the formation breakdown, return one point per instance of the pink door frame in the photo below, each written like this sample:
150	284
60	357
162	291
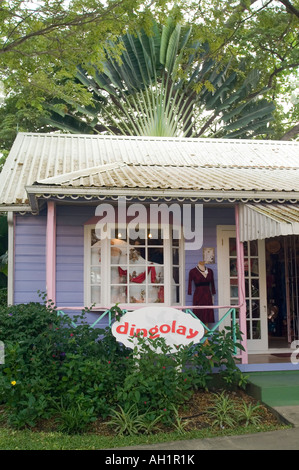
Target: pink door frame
241	287
51	252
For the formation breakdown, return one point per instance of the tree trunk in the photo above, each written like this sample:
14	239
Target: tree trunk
291	134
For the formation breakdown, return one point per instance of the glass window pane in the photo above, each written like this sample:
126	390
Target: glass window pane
95	275
137	274
95	295
156	274
175	275
137	236
255	291
254	267
246	267
248	309
135	256
119	233
233	288
137	293
118	275
248	330
233	267
96	254
118	253
232	247
175	241
156	294
175	256
119	294
254	248
246	288
155	237
256	329
175	294
256	309
245	245
156	255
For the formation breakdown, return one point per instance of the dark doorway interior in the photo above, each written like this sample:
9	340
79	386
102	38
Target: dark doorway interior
282	262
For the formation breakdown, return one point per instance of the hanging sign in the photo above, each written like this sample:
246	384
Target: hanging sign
175	326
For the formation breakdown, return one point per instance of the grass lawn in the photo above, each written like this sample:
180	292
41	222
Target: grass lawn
29	440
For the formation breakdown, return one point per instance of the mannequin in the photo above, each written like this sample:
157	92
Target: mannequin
203	279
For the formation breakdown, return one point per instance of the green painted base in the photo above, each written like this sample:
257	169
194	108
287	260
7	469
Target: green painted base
274	388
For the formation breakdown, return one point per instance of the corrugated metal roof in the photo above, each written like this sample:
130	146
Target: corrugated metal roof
260	221
183	177
87	161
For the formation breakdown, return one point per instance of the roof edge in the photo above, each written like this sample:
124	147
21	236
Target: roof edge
158	138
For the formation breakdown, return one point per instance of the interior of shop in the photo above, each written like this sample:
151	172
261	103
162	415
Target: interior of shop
282	264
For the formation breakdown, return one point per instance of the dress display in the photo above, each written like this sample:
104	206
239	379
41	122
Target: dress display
204	289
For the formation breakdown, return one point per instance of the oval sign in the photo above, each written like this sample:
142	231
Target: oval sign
175	326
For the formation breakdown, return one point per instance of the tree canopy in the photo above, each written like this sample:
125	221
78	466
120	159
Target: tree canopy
42	42
164	85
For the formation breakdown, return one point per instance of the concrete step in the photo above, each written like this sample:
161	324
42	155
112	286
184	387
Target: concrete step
274	388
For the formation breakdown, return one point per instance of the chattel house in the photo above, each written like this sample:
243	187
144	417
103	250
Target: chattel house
217	233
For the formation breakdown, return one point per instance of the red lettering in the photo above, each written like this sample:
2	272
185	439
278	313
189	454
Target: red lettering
132	330
153	332
181	330
143	330
165	328
122	329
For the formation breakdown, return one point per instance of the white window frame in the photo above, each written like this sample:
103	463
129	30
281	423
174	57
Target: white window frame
106	270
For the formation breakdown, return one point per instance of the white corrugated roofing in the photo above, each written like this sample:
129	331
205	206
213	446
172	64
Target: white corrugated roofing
260	221
56	162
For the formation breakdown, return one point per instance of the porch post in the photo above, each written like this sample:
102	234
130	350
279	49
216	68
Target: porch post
241	287
51	252
11	218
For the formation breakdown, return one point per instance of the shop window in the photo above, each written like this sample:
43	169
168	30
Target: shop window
124	269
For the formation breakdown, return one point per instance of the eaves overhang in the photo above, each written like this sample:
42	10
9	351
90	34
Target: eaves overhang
38	193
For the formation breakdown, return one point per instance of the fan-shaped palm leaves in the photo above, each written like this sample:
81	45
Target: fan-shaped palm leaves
161	85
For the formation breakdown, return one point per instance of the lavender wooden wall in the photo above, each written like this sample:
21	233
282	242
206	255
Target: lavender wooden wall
30	259
30	243
70	254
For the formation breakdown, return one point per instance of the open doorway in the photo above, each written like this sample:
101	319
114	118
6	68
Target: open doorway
282	267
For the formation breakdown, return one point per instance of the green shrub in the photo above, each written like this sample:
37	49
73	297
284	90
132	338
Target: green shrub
3	296
61	368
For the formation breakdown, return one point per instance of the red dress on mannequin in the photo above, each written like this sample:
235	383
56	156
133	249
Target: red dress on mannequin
204	289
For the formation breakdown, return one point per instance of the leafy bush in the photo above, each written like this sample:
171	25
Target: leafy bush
3	296
57	367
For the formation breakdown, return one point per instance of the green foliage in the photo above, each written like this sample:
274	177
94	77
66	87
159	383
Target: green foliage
131	422
248	414
225	414
73	418
166	84
41	46
222	412
3	297
57	367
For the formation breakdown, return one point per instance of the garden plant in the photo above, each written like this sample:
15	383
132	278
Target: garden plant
60	369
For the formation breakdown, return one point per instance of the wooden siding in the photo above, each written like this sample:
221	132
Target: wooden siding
30	243
70	254
30	258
